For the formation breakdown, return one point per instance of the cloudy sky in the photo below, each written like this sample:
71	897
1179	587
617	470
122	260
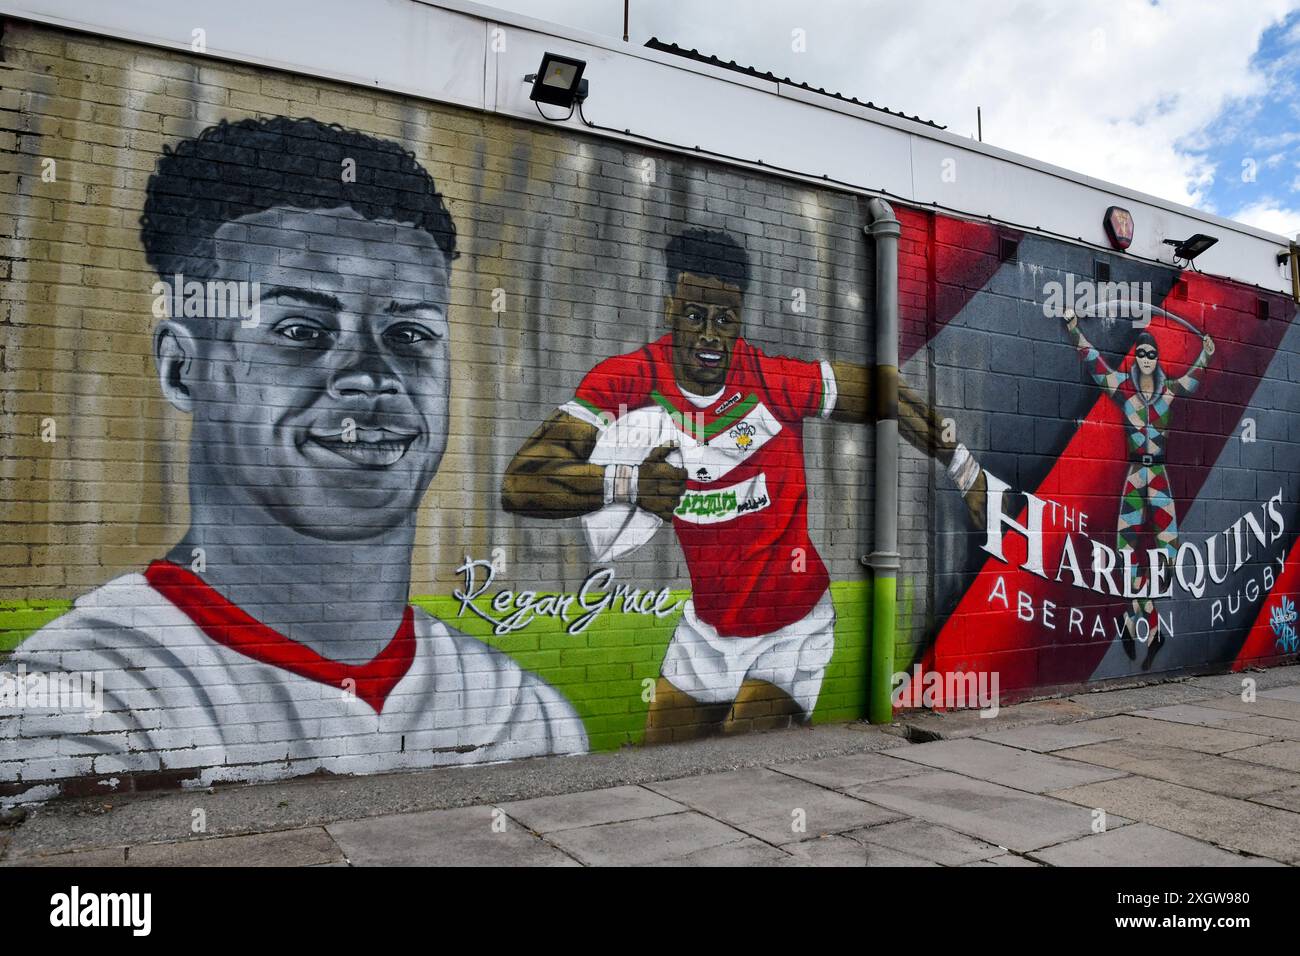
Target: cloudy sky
1192	100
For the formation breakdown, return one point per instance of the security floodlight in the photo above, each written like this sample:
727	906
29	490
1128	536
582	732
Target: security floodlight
1189	249
558	81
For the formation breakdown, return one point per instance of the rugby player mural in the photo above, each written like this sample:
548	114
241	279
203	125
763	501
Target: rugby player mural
703	429
277	636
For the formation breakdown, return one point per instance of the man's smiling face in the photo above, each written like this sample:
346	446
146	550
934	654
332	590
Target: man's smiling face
330	414
704	314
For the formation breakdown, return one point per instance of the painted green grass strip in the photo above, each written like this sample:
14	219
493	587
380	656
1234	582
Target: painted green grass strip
602	671
20	619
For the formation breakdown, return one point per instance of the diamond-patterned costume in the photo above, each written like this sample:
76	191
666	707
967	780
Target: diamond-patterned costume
1147	503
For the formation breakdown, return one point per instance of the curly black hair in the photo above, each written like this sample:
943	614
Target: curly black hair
237	169
705	253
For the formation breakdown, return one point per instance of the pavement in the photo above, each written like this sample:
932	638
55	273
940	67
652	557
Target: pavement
1184	773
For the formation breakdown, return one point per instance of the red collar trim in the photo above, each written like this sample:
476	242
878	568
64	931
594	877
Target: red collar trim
231	627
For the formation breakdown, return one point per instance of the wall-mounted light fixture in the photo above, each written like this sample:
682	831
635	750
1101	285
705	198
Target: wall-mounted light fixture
1119	227
1188	249
558	81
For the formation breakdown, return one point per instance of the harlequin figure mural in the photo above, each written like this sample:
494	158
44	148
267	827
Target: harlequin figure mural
1145	397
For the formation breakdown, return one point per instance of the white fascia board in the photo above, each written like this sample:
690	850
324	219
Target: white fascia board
381	44
451	51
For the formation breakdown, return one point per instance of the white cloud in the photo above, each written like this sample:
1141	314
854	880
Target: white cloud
1270	215
1275	141
1118	89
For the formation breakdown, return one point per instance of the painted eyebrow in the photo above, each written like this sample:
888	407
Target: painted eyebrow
326	301
307	296
398	308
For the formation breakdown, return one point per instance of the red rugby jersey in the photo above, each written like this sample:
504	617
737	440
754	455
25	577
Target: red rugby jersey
743	520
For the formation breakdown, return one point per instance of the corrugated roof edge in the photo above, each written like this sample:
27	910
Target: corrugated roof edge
943	134
128	29
654	43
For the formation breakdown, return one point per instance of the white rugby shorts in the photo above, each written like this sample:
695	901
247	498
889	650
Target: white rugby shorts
711	668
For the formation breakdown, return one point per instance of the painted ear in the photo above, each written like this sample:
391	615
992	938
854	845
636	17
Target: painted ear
174	352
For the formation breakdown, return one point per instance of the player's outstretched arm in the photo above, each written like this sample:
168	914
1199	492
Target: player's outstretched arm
550	476
854	388
918	423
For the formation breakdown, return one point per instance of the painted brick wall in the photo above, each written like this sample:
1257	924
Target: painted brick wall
1027	402
562	233
561	265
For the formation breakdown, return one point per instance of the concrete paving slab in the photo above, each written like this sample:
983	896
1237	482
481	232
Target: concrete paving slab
850	770
992	813
1225	821
65	825
309	846
1263	735
1262	726
1261	706
1006	859
108	856
302	847
1018	769
952	725
1288	799
1045	738
1265	679
1280	753
463	837
1291	693
1232	778
840	851
746	852
928	841
1142	845
665	839
1210	740
1199	715
1108	702
763	803
611	805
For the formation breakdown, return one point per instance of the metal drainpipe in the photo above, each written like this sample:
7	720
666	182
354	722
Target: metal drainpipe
1295	270
884	561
